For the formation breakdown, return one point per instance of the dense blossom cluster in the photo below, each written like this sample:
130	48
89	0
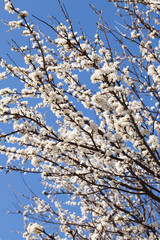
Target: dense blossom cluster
107	167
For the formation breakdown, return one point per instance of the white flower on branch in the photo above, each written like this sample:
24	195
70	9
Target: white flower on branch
83	113
35	228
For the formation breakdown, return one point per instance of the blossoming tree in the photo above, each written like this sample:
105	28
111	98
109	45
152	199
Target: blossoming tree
95	146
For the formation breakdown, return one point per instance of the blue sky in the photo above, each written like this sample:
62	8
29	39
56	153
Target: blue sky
78	11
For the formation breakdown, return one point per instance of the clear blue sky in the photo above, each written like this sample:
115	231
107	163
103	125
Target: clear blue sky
78	11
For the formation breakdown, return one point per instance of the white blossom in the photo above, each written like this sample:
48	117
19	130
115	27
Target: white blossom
35	228
23	14
83	114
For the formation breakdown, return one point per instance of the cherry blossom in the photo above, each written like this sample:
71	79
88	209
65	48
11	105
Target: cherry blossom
85	118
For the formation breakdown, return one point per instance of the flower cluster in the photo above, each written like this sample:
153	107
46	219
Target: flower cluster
85	117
